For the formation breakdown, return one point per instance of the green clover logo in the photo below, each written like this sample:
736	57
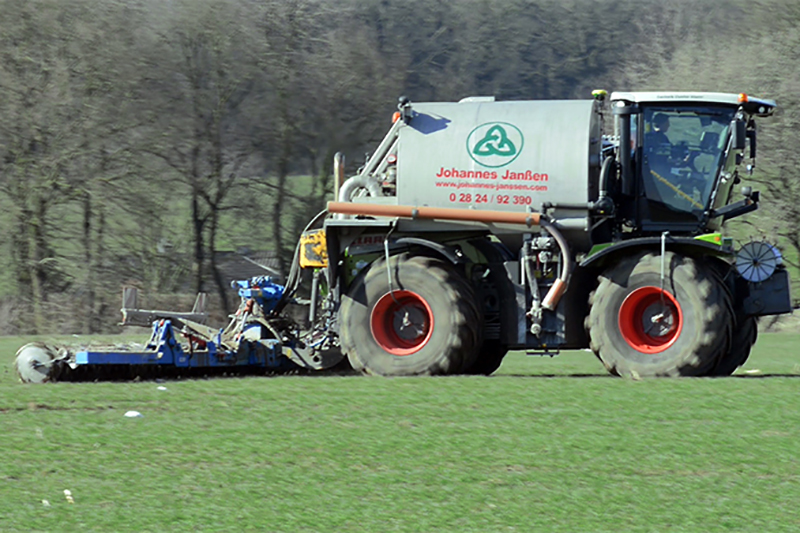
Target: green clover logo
494	144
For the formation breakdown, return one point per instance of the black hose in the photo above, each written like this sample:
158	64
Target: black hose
294	278
569	264
605	173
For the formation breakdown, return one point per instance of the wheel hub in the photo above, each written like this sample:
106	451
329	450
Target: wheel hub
650	320
401	322
658	320
410	322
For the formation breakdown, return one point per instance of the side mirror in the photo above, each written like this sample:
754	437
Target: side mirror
738	134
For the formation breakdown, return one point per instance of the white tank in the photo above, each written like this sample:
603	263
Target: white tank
502	156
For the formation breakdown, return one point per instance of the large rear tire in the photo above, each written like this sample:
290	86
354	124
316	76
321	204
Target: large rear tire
638	330
429	324
744	337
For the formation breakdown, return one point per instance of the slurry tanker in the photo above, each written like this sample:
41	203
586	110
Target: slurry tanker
480	226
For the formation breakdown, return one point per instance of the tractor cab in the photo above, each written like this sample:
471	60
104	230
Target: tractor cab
679	155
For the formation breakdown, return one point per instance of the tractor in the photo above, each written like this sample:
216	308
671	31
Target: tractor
480	226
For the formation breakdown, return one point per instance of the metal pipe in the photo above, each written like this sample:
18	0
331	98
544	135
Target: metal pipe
312	309
535	312
360	181
385	161
440	213
586	206
366	178
338	173
383	148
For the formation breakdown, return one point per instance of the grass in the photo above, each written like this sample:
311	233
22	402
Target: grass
544	445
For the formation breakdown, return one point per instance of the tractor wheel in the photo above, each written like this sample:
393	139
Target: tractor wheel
489	359
429	324
636	329
744	337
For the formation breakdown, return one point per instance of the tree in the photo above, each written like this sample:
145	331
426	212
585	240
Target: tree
47	99
203	76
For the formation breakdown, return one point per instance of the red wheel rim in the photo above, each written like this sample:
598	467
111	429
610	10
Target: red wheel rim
401	322
650	320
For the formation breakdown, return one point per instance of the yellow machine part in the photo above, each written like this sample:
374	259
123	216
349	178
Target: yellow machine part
313	249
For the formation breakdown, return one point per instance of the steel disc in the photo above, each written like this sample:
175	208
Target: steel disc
756	261
34	363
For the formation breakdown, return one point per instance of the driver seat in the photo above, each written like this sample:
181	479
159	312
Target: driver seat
705	160
709	141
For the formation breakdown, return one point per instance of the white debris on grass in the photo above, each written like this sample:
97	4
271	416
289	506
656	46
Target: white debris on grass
133	414
161	387
68	496
46	503
753	371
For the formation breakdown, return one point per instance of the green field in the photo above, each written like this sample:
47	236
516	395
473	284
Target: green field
546	445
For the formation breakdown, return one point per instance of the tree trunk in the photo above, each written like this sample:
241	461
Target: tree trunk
98	307
280	199
37	257
88	317
199	253
222	290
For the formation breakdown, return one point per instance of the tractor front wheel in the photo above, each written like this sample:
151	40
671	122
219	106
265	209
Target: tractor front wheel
637	328
426	322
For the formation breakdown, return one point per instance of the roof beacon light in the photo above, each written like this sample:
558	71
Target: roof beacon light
742	98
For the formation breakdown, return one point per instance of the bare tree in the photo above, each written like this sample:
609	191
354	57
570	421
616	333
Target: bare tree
205	79
49	129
